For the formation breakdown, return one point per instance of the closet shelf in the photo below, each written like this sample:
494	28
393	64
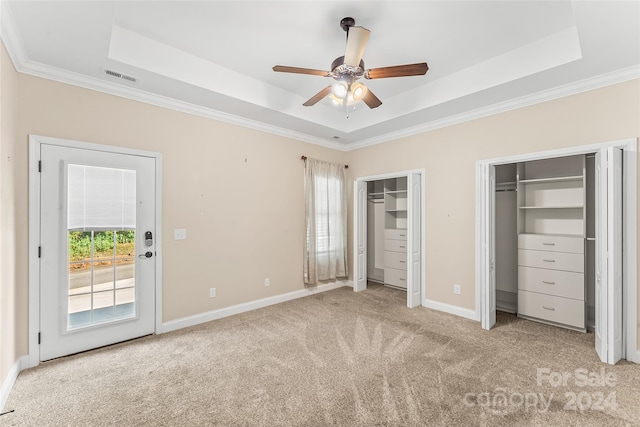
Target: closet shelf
553	207
400	192
553	179
395	210
375	195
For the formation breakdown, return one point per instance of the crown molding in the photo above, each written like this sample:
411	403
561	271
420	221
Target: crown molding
92	83
15	49
603	80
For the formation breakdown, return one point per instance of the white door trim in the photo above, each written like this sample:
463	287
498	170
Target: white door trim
630	239
35	141
423	282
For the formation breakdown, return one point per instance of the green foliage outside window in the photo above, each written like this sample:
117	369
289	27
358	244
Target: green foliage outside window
80	244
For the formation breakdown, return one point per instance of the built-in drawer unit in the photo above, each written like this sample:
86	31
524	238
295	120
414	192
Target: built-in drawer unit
551	282
395	234
395	245
541	242
395	277
551	308
397	260
551	260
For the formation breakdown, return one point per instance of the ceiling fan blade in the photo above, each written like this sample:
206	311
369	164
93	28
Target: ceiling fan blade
356	41
318	96
298	70
371	100
397	71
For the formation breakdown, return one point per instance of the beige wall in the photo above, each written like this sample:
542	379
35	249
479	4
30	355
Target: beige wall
238	192
449	155
9	330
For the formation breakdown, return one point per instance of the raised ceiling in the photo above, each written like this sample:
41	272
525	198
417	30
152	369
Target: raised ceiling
214	58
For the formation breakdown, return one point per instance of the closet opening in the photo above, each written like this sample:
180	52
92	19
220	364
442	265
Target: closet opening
545	240
388	225
557	242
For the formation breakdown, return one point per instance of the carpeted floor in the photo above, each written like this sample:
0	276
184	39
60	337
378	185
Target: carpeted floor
336	358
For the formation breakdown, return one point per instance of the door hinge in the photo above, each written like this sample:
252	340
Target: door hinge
39	165
39	251
39	336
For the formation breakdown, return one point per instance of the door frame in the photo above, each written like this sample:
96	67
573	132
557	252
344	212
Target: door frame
356	215
629	232
35	142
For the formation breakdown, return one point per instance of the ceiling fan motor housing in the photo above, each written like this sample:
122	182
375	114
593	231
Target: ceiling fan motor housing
343	72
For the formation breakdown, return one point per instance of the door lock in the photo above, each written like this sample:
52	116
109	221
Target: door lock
147	254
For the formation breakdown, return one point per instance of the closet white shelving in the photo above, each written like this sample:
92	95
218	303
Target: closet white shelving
551	241
391	241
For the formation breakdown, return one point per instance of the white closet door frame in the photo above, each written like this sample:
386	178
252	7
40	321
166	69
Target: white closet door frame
488	212
35	141
360	236
414	239
629	257
360	226
609	342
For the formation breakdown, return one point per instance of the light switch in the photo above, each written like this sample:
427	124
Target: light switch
180	234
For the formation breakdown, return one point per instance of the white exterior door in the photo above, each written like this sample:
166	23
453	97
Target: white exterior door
608	286
360	238
97	240
489	247
414	240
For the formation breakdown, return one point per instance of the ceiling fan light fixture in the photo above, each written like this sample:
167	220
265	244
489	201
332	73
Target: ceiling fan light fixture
358	90
339	90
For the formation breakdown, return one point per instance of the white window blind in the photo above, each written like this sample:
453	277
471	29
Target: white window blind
100	198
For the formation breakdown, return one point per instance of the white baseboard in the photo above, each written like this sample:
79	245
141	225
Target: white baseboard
7	385
248	306
451	309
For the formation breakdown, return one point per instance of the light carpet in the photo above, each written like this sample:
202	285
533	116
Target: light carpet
335	358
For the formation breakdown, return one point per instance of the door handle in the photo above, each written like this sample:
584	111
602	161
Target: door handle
147	254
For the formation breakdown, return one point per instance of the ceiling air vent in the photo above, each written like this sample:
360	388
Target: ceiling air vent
121	76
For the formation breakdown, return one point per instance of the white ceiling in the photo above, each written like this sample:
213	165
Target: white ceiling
214	58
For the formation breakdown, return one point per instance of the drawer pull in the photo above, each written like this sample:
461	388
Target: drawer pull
548	283
548	244
549	260
549	308
402	262
402	235
402	279
402	247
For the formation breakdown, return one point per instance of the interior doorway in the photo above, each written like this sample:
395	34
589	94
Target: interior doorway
395	203
608	235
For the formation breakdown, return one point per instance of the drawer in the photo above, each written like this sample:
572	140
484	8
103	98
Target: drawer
396	260
551	308
395	245
394	277
394	234
551	282
540	242
551	260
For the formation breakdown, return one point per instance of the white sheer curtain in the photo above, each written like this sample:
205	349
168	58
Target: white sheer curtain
326	222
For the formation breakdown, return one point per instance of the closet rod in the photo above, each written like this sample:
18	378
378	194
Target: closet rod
304	159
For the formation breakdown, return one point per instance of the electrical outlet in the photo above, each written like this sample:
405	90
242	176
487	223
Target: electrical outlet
267	282
179	234
456	289
212	292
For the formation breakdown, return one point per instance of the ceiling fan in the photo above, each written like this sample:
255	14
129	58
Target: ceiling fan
347	69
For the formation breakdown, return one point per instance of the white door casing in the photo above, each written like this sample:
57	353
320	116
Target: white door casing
414	240
488	319
360	238
58	338
608	328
